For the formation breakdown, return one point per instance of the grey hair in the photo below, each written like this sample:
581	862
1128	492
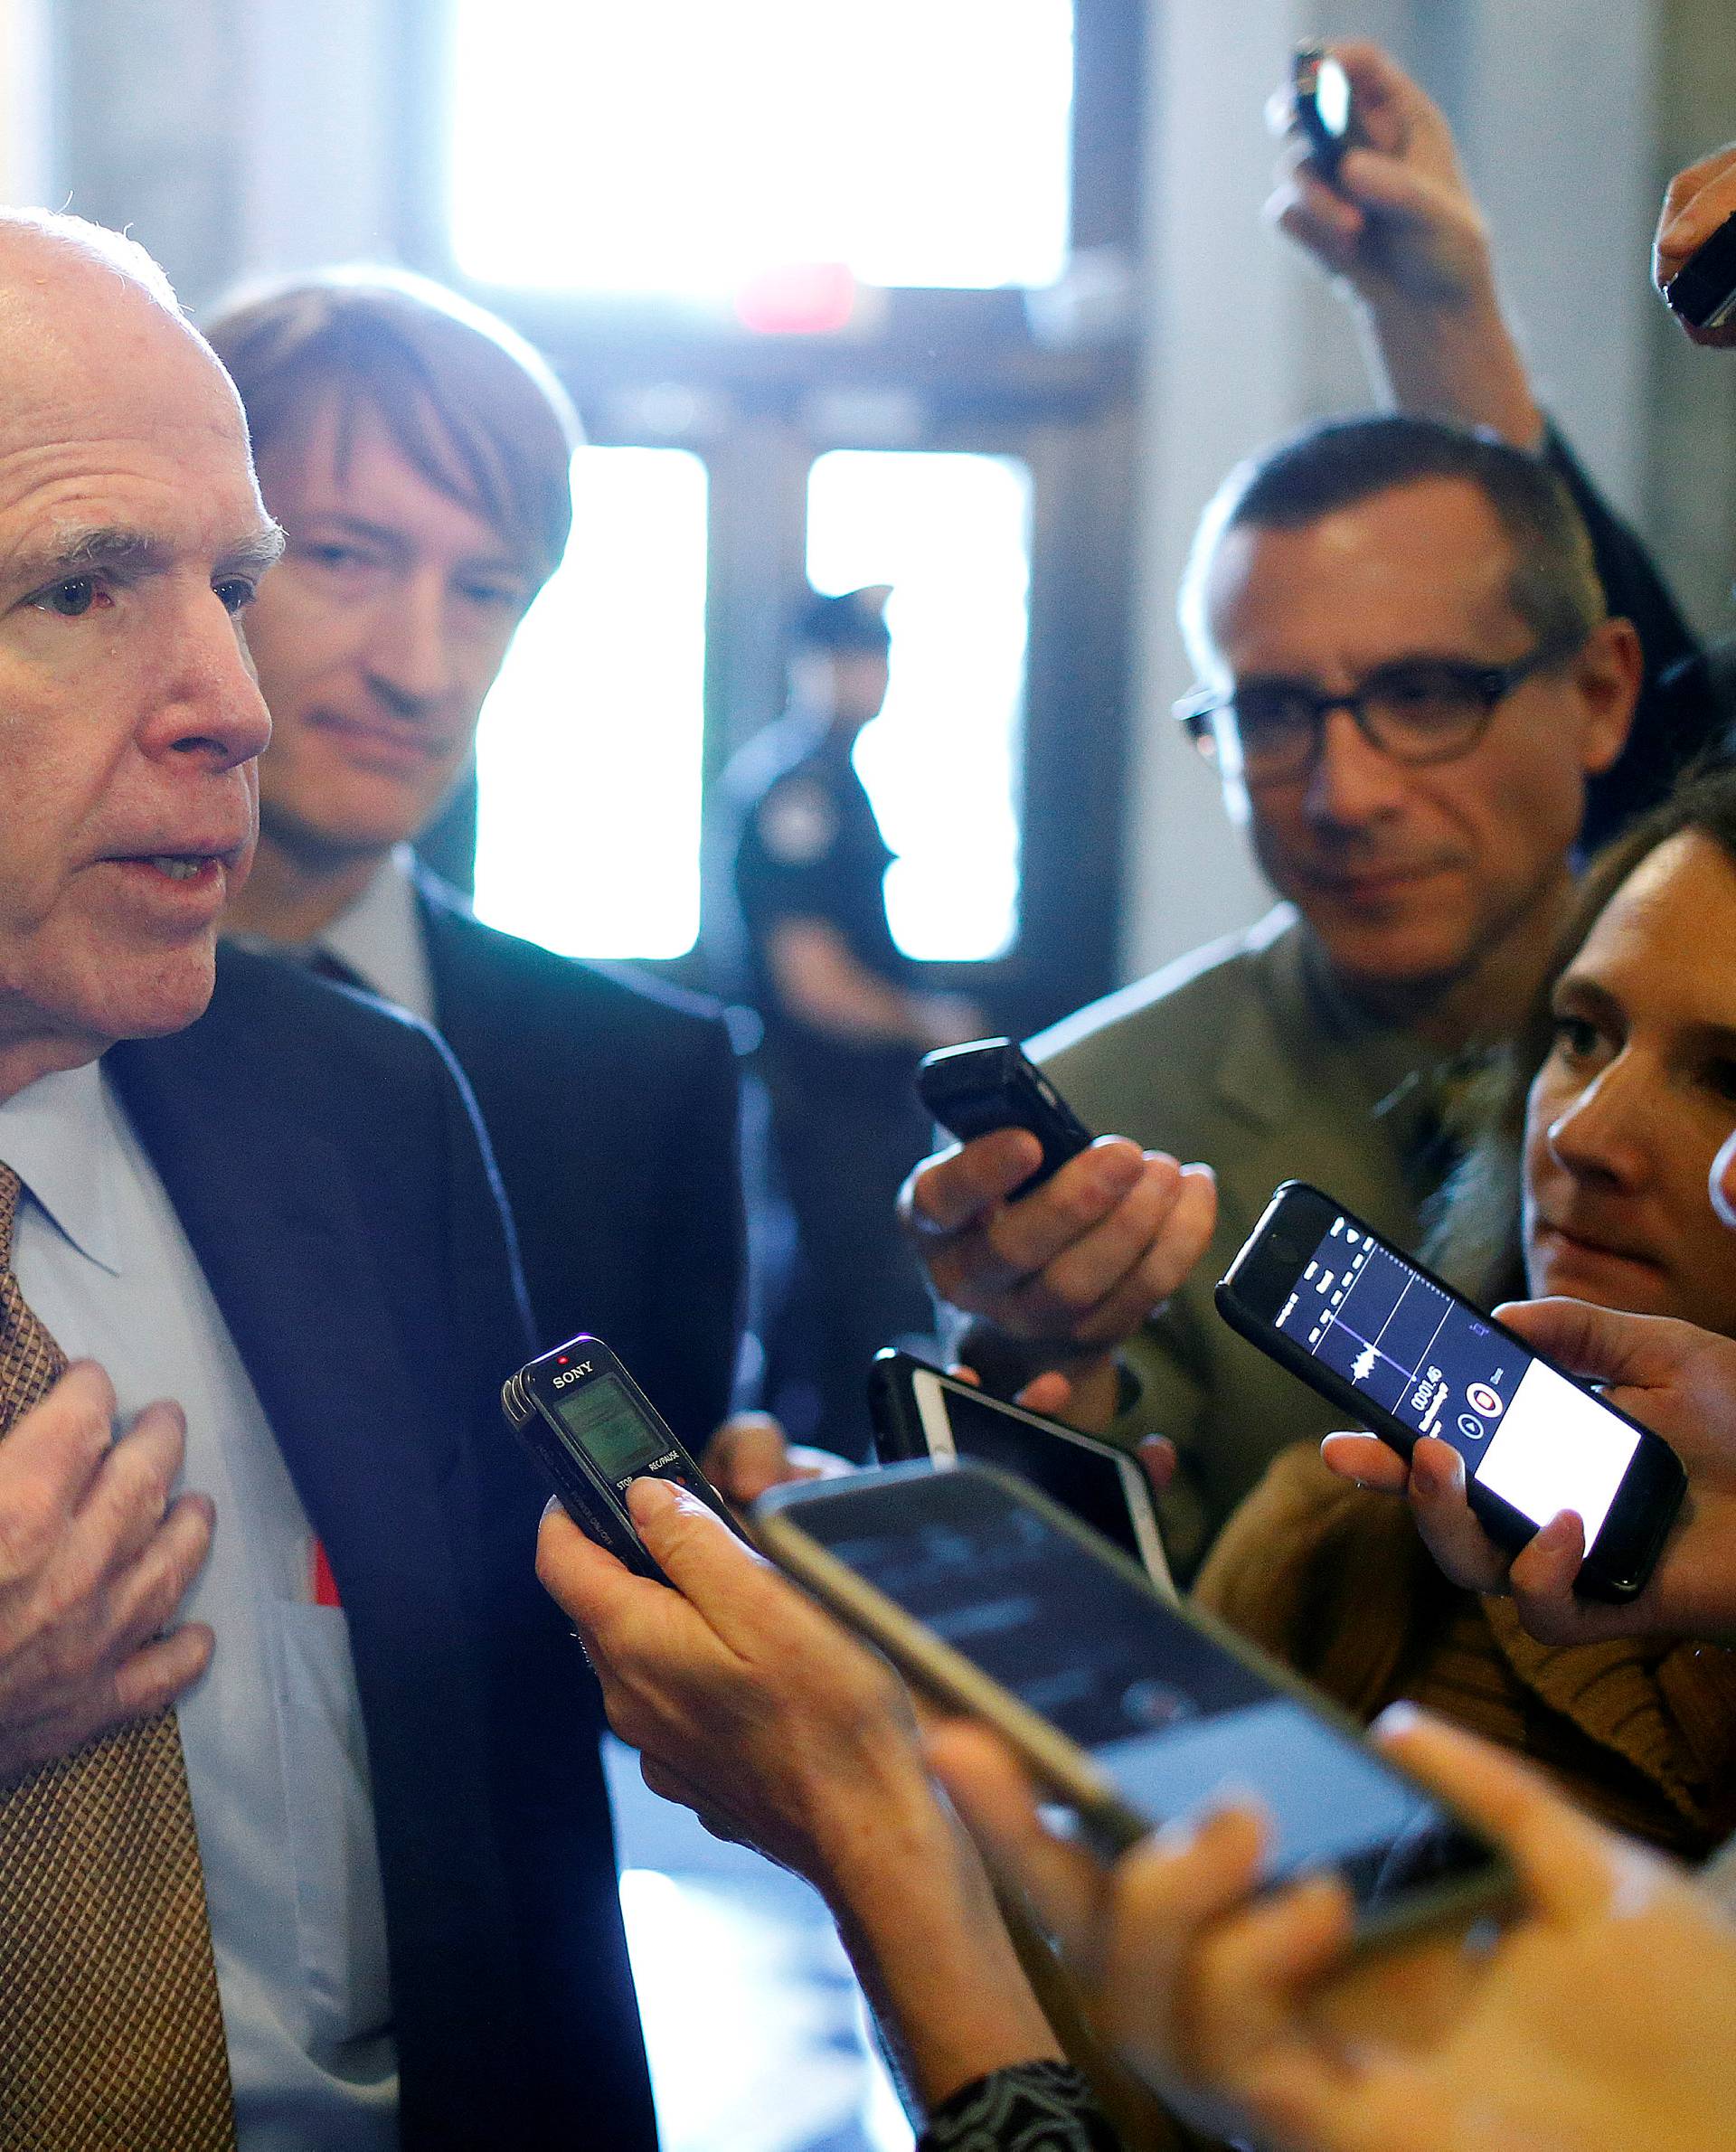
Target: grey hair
1554	587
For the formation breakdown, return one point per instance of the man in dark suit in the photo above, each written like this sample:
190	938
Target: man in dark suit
304	1833
327	1170
417	454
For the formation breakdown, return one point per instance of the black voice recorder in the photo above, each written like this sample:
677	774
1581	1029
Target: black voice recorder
594	1431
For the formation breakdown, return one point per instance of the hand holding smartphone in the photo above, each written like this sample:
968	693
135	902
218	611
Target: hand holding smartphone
919	1412
988	1084
1135	1710
1398	1350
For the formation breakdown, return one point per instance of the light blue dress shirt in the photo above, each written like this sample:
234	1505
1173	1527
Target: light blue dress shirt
272	1733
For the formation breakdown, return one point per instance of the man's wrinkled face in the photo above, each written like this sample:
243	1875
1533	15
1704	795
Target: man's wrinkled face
131	539
378	639
1411	876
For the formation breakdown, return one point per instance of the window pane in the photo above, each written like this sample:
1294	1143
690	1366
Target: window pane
941	764
688	146
588	757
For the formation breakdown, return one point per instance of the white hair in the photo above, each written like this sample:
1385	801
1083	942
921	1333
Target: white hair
112	249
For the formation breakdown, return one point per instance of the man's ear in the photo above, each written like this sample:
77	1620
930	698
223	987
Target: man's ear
1608	672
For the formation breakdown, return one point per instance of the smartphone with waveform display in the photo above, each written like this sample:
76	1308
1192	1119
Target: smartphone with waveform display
1405	1356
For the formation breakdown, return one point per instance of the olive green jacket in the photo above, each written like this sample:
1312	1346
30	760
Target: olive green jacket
1243	1054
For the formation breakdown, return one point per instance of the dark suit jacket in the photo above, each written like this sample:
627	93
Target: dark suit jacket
610	1101
325	1163
1685	697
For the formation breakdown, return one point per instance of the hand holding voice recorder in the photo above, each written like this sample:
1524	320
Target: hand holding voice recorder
988	1084
1403	1354
1702	292
594	1431
1325	107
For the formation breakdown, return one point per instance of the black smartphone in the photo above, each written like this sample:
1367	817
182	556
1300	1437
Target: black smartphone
1702	292
988	1084
1325	106
1136	1711
1403	1354
594	1431
919	1411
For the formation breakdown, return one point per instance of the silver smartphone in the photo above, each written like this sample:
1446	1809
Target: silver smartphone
917	1412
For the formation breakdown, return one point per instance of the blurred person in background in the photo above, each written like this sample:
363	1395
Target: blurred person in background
807	943
417	454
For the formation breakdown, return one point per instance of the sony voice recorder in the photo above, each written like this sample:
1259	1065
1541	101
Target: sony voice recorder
594	1431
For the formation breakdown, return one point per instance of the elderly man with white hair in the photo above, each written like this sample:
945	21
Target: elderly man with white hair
301	1821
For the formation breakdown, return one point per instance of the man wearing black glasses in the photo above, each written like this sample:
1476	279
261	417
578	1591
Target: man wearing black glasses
1407	677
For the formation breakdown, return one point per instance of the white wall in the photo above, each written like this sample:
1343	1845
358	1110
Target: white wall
25	149
1223	373
318	188
1554	104
232	136
1556	114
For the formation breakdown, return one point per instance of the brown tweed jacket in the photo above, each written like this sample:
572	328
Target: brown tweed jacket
1338	1584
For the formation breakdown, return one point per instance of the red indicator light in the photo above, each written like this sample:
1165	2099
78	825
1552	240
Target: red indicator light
560	1360
805	299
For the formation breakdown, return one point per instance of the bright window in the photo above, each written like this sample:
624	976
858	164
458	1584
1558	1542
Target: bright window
941	764
688	146
588	759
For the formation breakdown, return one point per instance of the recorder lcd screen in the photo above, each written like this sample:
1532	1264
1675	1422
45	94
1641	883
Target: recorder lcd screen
610	1428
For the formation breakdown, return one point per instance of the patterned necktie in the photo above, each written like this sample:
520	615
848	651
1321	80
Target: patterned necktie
111	2039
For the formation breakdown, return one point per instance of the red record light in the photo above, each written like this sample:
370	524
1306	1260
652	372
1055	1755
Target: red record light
798	298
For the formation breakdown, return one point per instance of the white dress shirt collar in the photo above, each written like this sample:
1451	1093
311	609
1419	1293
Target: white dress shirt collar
60	1136
380	938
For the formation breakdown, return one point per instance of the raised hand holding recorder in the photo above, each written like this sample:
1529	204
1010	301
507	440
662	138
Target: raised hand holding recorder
1694	253
1397	224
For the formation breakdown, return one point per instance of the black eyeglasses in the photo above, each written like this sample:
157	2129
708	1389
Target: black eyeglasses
1417	710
